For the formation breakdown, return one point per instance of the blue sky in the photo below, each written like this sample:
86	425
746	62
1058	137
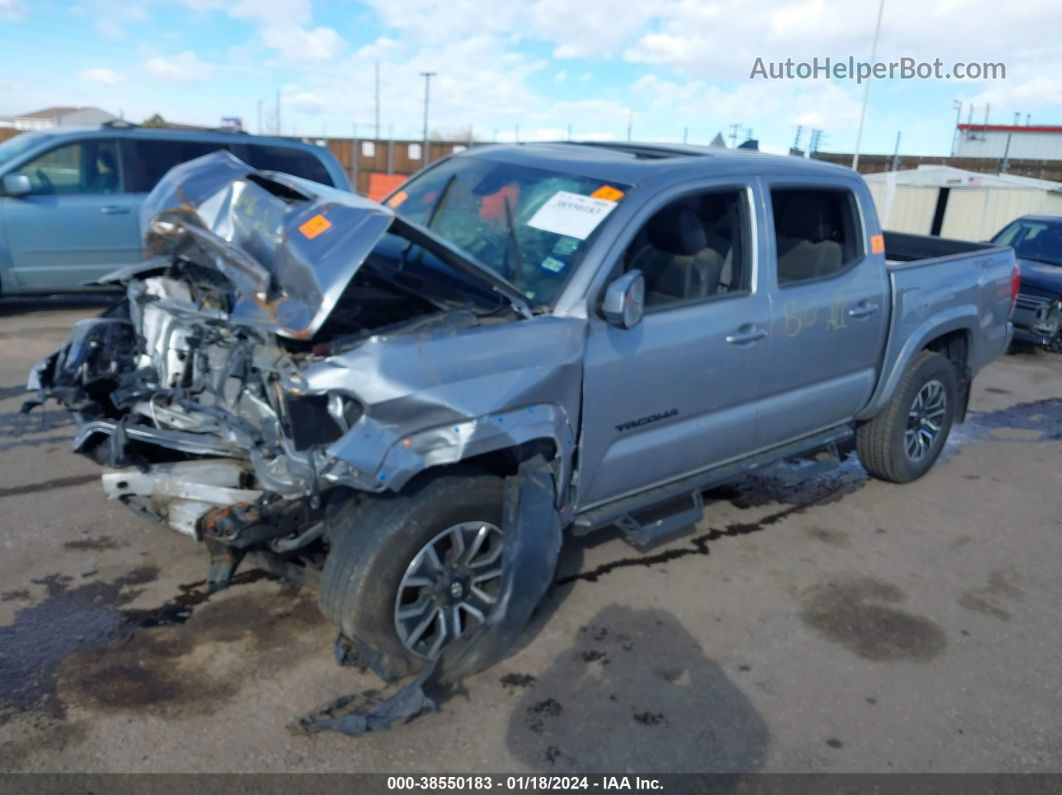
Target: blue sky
670	66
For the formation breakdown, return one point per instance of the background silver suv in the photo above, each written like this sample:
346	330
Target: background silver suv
70	198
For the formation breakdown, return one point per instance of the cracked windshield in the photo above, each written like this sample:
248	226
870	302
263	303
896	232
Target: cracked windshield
531	226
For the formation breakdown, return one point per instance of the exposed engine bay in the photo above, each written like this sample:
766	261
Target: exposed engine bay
248	379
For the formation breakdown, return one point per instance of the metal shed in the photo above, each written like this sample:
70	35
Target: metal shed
950	202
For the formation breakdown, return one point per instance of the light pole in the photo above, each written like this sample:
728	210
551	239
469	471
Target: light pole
427	93
866	88
957	104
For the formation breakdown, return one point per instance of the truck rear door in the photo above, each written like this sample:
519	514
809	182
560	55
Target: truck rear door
829	309
677	392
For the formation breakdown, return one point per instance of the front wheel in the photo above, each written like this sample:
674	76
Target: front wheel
904	440
410	573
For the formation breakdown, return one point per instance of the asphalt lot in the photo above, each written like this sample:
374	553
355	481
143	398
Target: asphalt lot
838	625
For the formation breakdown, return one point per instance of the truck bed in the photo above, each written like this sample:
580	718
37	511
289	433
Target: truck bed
902	249
942	286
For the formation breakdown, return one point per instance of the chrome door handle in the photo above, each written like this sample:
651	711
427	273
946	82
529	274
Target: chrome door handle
863	309
745	335
114	209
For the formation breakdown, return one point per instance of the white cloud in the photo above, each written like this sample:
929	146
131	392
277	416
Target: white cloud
100	75
109	29
185	67
283	26
13	10
303	44
560	76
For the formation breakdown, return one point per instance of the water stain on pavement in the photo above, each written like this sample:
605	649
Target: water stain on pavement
860	614
97	544
782	483
48	485
84	645
1042	419
698	545
992	599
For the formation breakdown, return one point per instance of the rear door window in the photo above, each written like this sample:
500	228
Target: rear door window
289	160
816	233
149	160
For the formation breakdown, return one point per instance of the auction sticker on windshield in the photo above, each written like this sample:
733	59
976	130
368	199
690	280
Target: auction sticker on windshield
571	214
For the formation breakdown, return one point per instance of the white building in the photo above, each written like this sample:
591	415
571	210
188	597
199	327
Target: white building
59	116
1017	142
951	202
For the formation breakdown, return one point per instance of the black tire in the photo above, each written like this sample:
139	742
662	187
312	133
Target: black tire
369	556
882	442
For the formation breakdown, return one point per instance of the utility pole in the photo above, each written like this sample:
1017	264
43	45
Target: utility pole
630	121
377	100
1004	166
896	153
957	104
733	135
390	149
427	93
866	88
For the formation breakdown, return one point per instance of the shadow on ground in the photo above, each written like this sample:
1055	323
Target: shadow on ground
635	692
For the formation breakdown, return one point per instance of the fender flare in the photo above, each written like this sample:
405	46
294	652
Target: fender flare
962	318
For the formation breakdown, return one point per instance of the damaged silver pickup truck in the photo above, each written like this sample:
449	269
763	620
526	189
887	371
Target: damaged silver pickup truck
407	403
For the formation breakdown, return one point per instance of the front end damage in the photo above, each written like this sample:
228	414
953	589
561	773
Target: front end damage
286	349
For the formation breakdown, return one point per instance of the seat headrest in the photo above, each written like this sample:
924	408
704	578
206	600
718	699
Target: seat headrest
677	231
805	217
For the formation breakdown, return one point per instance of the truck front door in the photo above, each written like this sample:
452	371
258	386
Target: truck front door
676	393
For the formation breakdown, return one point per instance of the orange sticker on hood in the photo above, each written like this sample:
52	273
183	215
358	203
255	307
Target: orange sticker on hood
608	193
315	226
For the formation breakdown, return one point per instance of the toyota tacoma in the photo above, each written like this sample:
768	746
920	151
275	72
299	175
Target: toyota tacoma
408	403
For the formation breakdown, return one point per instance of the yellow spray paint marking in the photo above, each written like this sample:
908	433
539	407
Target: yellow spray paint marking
315	226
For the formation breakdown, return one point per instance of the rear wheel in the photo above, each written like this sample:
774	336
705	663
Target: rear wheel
904	440
410	573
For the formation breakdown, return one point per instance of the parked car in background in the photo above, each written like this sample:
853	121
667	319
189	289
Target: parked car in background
406	403
1037	243
70	197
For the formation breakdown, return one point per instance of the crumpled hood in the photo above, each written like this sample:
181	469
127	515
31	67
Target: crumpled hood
288	246
1041	275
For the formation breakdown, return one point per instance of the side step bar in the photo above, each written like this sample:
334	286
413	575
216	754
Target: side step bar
622	513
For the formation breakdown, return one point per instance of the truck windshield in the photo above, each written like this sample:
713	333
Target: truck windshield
13	147
529	225
1035	240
